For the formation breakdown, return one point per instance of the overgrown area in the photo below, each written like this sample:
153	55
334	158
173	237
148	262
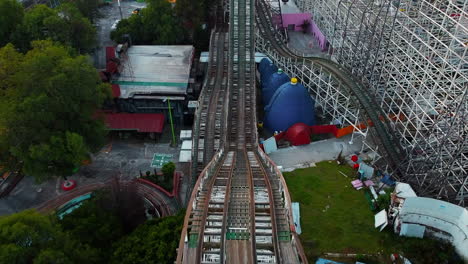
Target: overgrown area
335	218
102	230
161	23
164	179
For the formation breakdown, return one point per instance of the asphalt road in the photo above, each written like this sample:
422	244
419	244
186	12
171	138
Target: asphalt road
109	14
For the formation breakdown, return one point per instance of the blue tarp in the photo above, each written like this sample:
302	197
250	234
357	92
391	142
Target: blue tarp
289	105
296	217
387	179
326	261
272	84
266	69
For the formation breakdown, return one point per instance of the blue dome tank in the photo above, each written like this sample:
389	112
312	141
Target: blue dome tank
266	69
290	104
272	84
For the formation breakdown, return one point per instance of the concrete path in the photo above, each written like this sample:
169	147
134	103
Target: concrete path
295	157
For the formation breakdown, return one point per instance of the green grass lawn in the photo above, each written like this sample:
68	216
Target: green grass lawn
336	218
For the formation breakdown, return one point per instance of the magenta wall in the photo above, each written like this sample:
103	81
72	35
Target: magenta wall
298	20
321	39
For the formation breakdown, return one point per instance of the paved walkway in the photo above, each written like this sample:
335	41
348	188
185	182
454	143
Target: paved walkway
122	158
295	157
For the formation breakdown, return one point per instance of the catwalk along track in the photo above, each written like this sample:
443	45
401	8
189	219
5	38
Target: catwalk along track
239	209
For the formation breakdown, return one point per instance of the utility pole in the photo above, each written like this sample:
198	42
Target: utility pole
174	143
120	10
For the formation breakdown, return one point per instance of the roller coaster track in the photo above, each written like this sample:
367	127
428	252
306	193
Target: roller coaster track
388	145
209	121
239	209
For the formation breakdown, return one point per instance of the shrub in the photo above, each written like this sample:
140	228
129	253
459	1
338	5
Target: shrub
168	170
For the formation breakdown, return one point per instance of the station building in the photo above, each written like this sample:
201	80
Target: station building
147	81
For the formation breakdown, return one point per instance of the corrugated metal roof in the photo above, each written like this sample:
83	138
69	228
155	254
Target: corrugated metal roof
144	123
432	207
155	70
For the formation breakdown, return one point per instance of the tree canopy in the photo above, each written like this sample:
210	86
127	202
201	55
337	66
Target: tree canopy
89	8
64	24
157	24
153	242
29	237
49	100
96	215
11	14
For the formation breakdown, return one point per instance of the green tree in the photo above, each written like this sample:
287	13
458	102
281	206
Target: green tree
157	24
29	237
11	15
88	8
153	242
65	24
48	120
99	216
168	170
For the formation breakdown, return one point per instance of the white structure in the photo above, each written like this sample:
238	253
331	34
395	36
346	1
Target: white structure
421	217
155	70
411	56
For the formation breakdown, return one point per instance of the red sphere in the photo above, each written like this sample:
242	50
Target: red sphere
356	166
68	185
354	158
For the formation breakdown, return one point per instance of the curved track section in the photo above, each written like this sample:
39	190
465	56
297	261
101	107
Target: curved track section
162	203
333	72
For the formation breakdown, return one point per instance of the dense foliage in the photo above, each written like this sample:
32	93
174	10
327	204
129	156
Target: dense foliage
68	24
89	8
160	23
153	242
11	14
95	232
64	24
156	24
29	237
49	97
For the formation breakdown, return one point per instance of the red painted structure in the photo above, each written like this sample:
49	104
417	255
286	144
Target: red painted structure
115	90
299	133
175	185
141	122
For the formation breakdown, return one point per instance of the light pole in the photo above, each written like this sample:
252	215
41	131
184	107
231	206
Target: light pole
120	9
174	143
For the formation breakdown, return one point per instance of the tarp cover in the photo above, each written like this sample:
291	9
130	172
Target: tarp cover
271	84
266	69
296	217
289	105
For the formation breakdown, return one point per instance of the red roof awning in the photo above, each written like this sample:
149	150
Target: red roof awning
144	123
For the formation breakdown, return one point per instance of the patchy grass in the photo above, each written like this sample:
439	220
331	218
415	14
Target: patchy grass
335	218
